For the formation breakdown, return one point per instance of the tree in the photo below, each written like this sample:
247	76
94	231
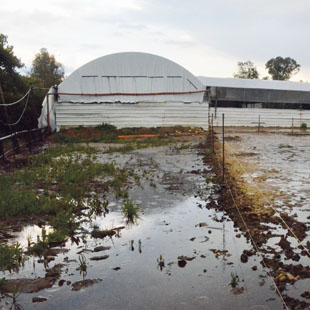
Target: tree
47	69
9	63
282	68
246	70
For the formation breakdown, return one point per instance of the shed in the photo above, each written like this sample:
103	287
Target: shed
127	90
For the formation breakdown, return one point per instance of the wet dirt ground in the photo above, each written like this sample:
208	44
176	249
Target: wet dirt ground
277	167
184	251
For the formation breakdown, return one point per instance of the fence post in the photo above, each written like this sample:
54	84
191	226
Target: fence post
258	127
29	140
2	150
223	143
212	138
5	110
209	121
15	143
292	124
40	135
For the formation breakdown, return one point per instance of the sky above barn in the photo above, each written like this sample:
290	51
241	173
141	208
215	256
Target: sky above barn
206	37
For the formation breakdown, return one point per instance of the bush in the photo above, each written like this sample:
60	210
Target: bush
303	126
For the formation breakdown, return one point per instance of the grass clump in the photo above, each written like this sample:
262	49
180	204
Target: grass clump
160	263
11	257
234	282
208	152
82	264
131	211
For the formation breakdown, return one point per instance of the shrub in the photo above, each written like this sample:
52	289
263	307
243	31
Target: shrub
303	126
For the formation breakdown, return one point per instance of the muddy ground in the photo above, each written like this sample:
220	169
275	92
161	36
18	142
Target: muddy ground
189	248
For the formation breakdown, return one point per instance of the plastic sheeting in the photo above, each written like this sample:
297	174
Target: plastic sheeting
129	78
43	119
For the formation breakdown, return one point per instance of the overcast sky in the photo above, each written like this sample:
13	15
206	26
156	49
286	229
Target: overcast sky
206	37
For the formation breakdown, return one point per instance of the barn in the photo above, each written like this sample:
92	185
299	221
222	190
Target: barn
127	89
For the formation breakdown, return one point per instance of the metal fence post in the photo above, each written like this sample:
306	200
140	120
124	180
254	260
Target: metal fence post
212	138
258	127
223	143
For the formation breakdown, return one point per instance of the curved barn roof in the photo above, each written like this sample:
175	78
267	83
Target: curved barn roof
131	77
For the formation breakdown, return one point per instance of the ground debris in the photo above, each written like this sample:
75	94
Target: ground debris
99	257
76	286
39	299
101	248
219	253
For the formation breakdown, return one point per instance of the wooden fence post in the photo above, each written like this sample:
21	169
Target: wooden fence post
15	143
2	150
29	140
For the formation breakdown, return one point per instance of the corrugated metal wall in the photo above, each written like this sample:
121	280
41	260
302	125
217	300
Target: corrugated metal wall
268	117
132	115
169	114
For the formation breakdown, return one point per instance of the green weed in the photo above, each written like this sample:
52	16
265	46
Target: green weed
131	211
82	263
234	282
303	126
97	207
65	221
11	257
160	263
208	152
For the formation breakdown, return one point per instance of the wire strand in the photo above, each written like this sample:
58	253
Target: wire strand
18	101
21	116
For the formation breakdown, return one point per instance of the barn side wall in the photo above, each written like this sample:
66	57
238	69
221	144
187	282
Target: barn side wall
132	115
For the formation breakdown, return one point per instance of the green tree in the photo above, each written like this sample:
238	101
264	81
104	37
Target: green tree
246	70
47	69
282	68
9	64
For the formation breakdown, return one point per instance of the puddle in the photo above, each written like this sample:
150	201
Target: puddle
179	254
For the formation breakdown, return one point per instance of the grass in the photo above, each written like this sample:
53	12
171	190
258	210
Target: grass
131	211
82	264
208	152
160	263
109	134
11	257
65	176
57	186
234	282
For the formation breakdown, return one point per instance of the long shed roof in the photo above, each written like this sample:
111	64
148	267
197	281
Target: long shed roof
254	84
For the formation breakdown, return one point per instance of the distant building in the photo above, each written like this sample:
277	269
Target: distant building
245	93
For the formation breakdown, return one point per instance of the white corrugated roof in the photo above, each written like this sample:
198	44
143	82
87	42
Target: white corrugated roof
259	84
113	76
